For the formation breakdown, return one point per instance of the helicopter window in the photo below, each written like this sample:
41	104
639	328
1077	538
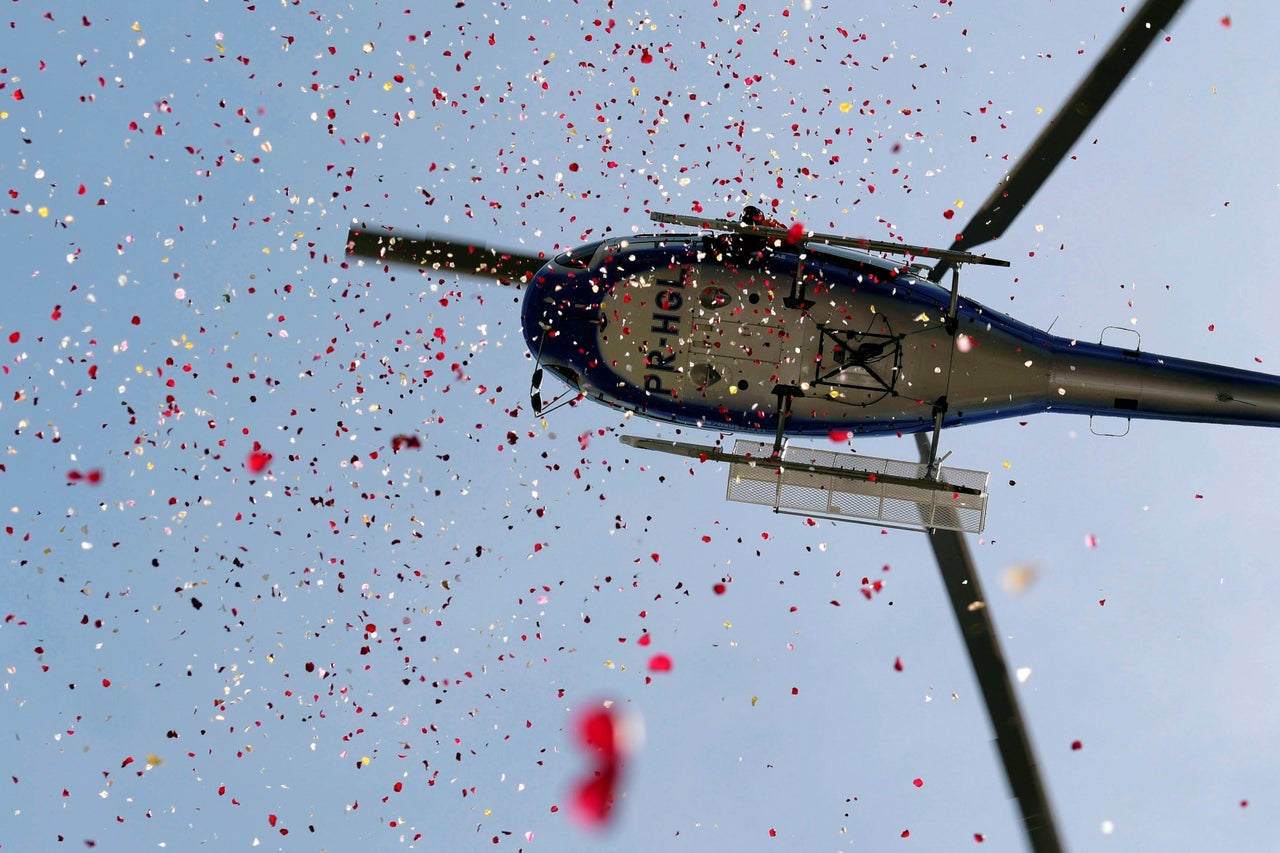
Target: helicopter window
606	250
578	256
621	249
714	297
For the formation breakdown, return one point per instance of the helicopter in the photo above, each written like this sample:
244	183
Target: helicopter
748	325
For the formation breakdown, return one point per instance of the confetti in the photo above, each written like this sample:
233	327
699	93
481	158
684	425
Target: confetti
258	460
660	663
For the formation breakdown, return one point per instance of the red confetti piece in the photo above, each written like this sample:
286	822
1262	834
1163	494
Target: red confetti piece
258	461
660	663
593	800
645	639
918	782
906	833
948	214
1226	20
839	436
14	337
897	666
1211	327
596	731
719	589
646	57
1076	745
405	442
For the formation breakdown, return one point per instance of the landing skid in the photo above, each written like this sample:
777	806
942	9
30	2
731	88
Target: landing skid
844	486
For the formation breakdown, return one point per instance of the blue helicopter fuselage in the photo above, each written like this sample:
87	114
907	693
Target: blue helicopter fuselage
715	332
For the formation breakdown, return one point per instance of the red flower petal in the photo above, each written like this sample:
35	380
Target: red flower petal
593	799
597	731
660	663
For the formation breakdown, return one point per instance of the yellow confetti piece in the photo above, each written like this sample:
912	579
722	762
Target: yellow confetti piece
754	699
1039	111
137	28
959	203
922	317
44	211
844	108
387	86
154	760
1007	463
364	761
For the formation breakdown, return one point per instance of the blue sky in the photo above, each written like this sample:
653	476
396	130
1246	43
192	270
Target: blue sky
436	619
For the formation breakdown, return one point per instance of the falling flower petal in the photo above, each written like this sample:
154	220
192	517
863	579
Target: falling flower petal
660	663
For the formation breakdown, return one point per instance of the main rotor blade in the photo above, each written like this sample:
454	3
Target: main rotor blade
974	620
439	253
1050	148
